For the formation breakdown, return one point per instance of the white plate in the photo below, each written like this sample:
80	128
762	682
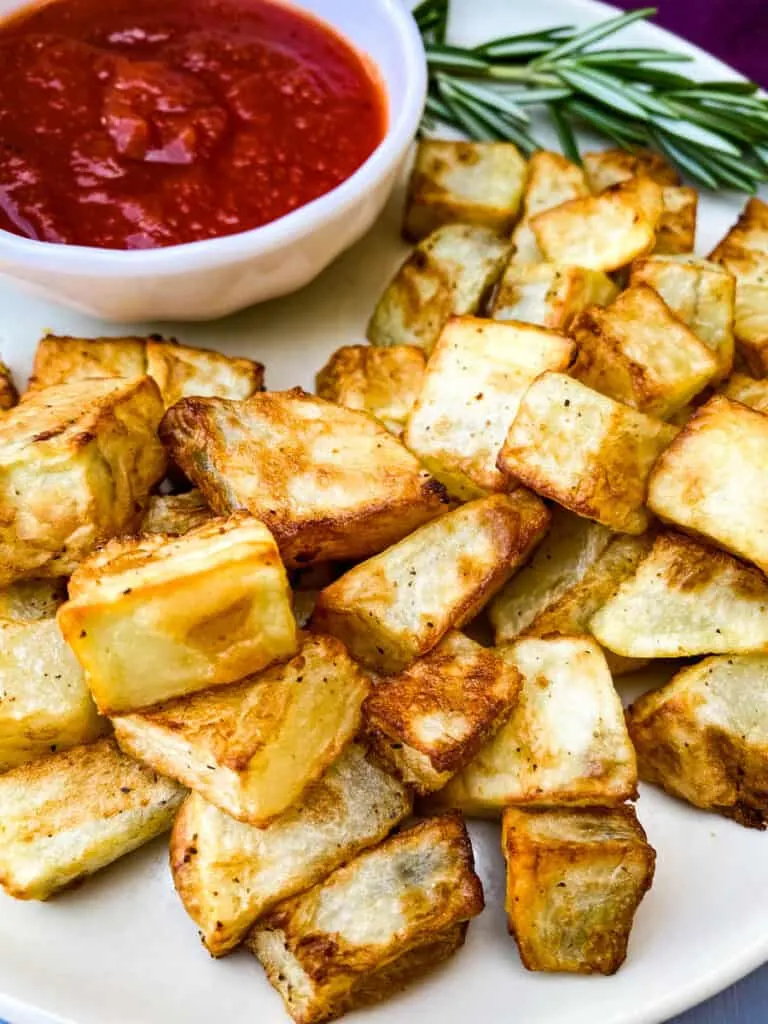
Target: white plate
121	950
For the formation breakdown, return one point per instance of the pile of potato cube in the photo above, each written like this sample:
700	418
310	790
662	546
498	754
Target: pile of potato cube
240	614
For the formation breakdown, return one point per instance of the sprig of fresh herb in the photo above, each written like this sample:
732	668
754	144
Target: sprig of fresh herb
715	132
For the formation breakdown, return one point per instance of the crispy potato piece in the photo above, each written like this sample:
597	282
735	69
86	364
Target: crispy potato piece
374	925
76	466
65	816
574	881
182	372
330	483
548	294
44	702
574	571
713	479
610	166
399	605
253	748
639	353
552	180
748	391
448	274
463	182
175	514
676	232
545	754
589	453
704	736
229	874
154	617
475	378
32	600
381	381
9	396
429	721
602	232
699	293
686	598
61	359
744	253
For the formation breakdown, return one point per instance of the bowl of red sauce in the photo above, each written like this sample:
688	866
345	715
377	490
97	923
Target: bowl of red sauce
184	159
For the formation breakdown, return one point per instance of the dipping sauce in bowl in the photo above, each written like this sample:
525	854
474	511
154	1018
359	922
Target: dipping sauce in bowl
135	124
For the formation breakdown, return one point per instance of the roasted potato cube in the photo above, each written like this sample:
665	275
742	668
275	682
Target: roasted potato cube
32	600
573	572
182	372
229	874
574	881
330	483
548	294
552	180
699	293
704	736
589	453
602	232
44	702
475	378
545	754
748	236
448	274
381	381
639	353
399	605
76	466
252	749
748	391
65	816
429	721
374	925
154	617
9	396
676	232
686	598
463	182
175	514
61	359
610	166
713	479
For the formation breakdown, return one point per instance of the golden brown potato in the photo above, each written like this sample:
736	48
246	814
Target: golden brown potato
374	925
61	359
448	274
463	182
713	479
154	617
676	231
552	180
699	293
429	721
44	703
475	378
589	453
704	736
65	816
574	881
32	600
398	605
77	462
175	514
545	753
637	352
9	396
251	749
548	294
744	253
602	232
228	874
330	483
686	598
381	381
610	166
748	391
573	572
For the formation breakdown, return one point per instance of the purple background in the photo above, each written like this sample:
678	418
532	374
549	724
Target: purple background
736	31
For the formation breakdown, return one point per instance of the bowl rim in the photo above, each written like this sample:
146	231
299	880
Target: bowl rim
275	235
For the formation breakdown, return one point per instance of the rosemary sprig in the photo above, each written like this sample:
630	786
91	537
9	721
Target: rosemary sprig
715	132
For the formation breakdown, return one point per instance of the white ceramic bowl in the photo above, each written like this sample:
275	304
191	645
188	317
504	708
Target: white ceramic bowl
208	279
